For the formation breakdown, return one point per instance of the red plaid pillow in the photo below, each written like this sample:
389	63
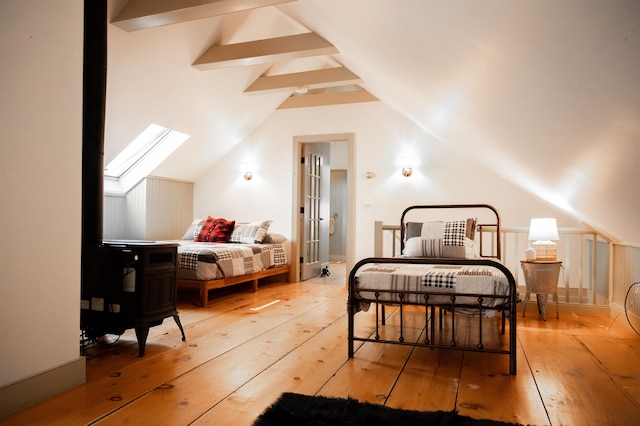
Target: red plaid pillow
216	230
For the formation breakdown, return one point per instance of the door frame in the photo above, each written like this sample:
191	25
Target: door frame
298	142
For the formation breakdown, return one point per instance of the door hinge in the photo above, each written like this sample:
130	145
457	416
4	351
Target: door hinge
301	160
301	210
302	260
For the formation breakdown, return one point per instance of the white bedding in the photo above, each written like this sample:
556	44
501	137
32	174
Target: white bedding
204	261
421	278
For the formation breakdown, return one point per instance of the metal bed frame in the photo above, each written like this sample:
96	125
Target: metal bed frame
507	307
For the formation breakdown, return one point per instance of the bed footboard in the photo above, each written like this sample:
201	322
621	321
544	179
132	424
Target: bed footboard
434	300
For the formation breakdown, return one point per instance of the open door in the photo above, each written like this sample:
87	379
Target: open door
314	210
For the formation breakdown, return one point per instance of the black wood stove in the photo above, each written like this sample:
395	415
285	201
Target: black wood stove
131	284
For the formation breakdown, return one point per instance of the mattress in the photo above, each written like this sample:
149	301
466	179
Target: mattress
211	261
441	281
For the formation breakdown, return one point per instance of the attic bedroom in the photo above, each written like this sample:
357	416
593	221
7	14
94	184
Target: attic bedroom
531	107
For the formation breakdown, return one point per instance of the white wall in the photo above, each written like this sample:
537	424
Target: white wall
382	139
40	185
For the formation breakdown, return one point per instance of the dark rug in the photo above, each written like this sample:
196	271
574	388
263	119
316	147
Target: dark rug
295	409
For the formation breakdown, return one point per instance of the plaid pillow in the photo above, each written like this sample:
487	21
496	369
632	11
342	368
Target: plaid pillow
441	239
414	229
215	230
194	229
454	232
250	233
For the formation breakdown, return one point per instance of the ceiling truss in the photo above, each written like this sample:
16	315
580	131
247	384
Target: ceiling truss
264	51
316	79
142	14
319	87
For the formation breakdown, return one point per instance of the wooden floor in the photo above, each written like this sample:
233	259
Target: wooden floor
238	359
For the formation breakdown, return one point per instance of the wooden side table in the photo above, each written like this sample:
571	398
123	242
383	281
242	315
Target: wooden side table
541	277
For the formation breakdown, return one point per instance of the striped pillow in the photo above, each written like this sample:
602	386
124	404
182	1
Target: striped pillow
250	233
194	229
441	239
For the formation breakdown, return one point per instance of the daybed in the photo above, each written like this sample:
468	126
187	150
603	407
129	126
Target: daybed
216	253
440	271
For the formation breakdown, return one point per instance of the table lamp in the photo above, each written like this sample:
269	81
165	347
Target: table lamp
543	232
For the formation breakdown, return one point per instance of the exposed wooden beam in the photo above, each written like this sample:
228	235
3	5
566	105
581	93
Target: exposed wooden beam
261	51
328	98
141	14
317	79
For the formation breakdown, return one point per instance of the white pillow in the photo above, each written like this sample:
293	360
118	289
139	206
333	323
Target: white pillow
428	244
192	231
441	240
250	233
274	239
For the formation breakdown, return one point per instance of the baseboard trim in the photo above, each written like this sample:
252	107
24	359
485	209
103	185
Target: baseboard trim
19	395
566	308
618	313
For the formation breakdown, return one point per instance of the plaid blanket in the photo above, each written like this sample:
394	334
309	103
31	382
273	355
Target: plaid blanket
417	280
446	277
232	259
441	279
189	259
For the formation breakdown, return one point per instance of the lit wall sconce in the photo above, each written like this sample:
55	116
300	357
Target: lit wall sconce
544	231
246	171
407	170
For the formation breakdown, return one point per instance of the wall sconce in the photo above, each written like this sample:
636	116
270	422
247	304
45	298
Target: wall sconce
407	170
247	174
544	231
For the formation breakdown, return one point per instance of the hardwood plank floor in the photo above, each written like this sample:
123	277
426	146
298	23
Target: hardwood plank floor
237	361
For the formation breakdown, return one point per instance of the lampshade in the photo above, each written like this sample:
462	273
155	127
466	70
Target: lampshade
543	229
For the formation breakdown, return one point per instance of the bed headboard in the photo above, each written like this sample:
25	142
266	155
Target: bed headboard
489	219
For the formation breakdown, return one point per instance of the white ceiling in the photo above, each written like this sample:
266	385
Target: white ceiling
547	92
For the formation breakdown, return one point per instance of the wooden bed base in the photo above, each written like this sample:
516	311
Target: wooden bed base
205	286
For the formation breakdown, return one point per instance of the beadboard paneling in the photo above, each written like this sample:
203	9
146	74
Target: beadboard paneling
136	211
169	208
626	271
155	209
114	217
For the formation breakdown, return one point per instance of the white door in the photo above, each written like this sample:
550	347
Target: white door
314	213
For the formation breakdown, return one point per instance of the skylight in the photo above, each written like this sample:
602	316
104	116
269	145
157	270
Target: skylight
147	151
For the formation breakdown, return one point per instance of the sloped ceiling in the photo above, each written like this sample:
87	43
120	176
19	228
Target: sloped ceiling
546	93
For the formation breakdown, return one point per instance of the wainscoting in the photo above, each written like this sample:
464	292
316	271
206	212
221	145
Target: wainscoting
626	271
155	209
